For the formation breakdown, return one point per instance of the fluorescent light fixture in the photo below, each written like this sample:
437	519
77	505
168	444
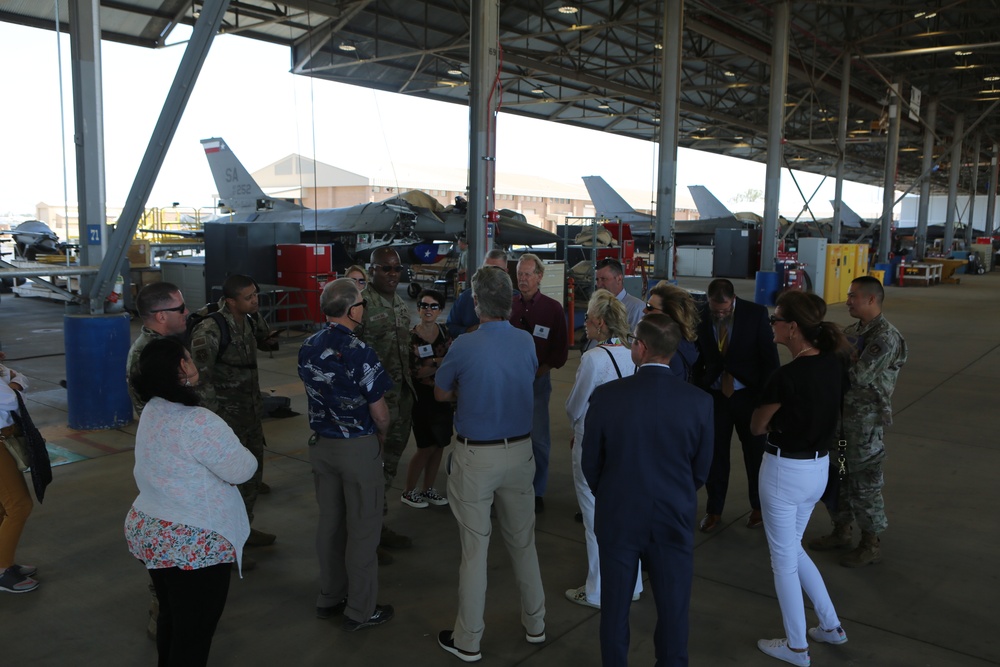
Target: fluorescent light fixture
538	91
603	105
991	78
344	46
730	74
568	9
963	53
455	72
658	46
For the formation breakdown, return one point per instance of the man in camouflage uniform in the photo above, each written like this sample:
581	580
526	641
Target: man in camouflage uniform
163	312
386	328
881	352
229	381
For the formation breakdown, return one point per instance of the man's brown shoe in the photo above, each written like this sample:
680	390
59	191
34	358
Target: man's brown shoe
755	520
709	522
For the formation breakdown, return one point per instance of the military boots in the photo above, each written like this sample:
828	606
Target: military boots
866	553
838	539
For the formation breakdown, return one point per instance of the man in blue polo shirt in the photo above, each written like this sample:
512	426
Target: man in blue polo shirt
490	372
345	387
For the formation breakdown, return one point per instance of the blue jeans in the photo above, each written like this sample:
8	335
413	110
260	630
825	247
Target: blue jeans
541	438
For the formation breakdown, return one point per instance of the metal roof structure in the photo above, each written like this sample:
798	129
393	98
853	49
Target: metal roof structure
596	64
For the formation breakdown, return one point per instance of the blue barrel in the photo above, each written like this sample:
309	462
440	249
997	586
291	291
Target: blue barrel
768	283
888	275
96	352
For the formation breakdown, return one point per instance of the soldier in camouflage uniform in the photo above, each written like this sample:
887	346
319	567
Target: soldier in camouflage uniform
385	327
881	352
163	312
229	381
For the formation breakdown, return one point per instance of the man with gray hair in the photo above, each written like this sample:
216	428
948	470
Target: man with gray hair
462	317
492	462
345	388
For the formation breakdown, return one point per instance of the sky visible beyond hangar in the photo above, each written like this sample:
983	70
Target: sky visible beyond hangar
246	95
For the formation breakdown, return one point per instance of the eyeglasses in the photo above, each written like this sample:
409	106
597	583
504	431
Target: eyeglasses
432	306
176	309
632	339
363	303
388	268
774	318
360	282
650	306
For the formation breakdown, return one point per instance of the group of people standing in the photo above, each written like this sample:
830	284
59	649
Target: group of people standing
370	378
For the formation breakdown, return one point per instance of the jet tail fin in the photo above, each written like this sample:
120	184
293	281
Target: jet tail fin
237	189
607	202
709	207
848	217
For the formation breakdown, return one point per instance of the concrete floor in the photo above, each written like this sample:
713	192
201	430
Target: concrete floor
928	603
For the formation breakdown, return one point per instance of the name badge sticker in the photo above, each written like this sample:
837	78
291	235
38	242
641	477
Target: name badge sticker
541	332
425	351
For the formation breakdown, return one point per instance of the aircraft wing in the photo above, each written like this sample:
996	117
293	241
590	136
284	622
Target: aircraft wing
183	233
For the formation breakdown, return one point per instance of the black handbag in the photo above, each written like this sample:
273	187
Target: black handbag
38	455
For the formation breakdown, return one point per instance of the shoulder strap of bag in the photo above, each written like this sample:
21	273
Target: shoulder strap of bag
617	370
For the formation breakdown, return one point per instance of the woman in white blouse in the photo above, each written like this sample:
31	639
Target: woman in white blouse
15	503
188	524
607	325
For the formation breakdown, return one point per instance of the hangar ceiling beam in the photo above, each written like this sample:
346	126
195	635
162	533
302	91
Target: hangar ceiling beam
205	29
332	25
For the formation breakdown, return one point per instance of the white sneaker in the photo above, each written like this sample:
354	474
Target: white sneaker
778	648
433	497
835	636
414	499
579	596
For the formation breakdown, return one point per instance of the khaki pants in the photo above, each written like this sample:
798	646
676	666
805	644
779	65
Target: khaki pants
478	476
15	506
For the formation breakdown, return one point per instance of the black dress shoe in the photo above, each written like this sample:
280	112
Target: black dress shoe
709	522
335	610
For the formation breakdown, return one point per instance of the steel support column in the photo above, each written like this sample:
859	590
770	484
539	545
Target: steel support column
991	191
205	29
482	128
926	168
953	173
88	118
845	100
977	142
891	160
775	135
666	189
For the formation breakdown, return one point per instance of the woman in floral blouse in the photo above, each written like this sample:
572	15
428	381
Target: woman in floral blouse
188	524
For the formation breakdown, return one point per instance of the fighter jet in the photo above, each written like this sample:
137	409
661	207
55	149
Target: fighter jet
611	205
409	218
34	237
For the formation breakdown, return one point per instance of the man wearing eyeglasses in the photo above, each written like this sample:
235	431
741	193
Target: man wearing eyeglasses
385	328
611	277
462	317
544	319
345	388
230	383
163	312
645	473
737	355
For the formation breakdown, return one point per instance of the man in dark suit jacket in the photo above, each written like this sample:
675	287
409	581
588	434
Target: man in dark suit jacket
737	355
645	469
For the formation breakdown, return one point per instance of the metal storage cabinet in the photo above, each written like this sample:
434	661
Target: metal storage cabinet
245	247
736	253
188	273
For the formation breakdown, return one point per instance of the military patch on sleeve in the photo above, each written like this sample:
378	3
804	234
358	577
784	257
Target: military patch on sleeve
873	350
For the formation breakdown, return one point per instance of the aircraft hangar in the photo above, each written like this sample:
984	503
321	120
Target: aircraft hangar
597	65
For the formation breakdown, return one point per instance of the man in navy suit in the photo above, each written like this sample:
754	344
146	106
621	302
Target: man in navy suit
647	449
736	356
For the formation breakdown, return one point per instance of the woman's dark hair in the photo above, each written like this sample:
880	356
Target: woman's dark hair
159	372
437	296
807	310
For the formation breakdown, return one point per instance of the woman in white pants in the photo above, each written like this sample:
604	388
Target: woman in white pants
607	324
799	411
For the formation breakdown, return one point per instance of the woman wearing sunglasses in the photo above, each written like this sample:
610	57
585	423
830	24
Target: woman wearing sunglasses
607	325
432	420
799	412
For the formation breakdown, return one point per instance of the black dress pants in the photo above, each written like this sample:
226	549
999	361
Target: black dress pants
191	603
730	413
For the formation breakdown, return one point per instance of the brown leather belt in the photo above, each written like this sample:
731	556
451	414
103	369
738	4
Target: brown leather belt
13	429
500	441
